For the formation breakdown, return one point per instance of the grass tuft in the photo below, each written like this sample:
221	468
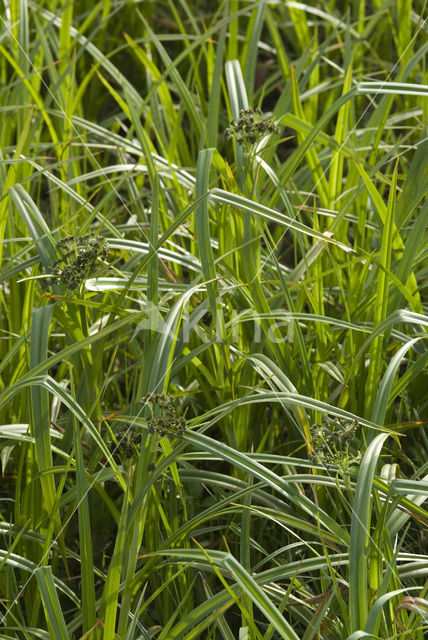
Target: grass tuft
213	320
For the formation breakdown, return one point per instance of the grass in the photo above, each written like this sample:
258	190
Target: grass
213	343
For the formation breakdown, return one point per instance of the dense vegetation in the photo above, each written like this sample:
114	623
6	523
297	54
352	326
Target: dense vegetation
213	315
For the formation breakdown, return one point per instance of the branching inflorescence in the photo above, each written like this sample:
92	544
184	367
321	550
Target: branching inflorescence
331	440
248	128
163	418
79	257
127	441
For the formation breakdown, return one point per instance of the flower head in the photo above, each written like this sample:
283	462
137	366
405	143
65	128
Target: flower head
248	128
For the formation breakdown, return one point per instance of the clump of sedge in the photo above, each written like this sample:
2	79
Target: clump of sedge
248	128
79	255
163	418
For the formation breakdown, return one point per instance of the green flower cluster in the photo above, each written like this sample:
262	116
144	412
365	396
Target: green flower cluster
330	441
248	128
126	443
163	418
78	259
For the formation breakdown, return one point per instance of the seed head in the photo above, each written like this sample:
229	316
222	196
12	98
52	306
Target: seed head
248	128
79	256
163	418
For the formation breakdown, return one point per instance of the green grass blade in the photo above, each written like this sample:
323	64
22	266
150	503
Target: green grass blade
85	536
36	226
109	603
51	604
384	391
360	532
215	90
259	598
52	386
40	330
382	295
202	227
244	204
249	55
